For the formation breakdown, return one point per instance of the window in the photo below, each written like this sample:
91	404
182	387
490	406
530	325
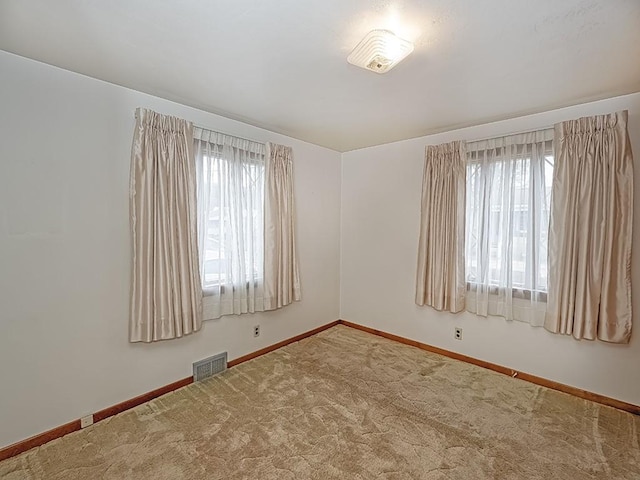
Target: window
232	223
507	222
230	178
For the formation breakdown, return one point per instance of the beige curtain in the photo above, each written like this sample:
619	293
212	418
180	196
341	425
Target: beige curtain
590	230
166	295
440	280
281	277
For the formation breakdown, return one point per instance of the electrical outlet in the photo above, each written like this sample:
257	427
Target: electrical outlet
256	331
458	333
86	421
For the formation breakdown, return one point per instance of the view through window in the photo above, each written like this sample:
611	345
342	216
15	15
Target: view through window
508	201
231	221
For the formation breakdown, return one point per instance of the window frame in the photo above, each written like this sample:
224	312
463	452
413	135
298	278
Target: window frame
521	293
219	287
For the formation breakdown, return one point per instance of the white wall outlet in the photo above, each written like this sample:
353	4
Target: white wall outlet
457	333
86	421
256	331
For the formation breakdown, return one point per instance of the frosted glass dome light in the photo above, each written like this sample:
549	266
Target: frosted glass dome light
380	51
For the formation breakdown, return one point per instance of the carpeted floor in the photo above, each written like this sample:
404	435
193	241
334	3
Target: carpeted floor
348	405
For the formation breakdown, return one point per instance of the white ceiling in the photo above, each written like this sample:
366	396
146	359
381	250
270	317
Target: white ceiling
281	64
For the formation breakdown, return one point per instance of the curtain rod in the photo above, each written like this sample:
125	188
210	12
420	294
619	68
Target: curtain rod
135	115
229	134
510	134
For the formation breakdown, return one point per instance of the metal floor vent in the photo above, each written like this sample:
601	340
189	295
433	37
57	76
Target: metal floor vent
209	367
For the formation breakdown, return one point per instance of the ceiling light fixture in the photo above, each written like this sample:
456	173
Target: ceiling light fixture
380	51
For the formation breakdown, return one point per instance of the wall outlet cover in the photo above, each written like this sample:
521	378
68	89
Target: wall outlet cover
458	333
86	421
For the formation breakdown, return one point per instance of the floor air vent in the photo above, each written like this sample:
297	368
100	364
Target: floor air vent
209	367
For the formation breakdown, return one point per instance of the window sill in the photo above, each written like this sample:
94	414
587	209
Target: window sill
222	289
525	294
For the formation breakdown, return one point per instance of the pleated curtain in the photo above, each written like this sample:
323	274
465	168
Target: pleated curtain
440	279
281	275
166	295
590	230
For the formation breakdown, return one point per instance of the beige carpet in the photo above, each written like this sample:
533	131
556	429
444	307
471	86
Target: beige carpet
348	405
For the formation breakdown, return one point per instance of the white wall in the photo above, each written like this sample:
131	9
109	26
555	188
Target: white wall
65	143
380	225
